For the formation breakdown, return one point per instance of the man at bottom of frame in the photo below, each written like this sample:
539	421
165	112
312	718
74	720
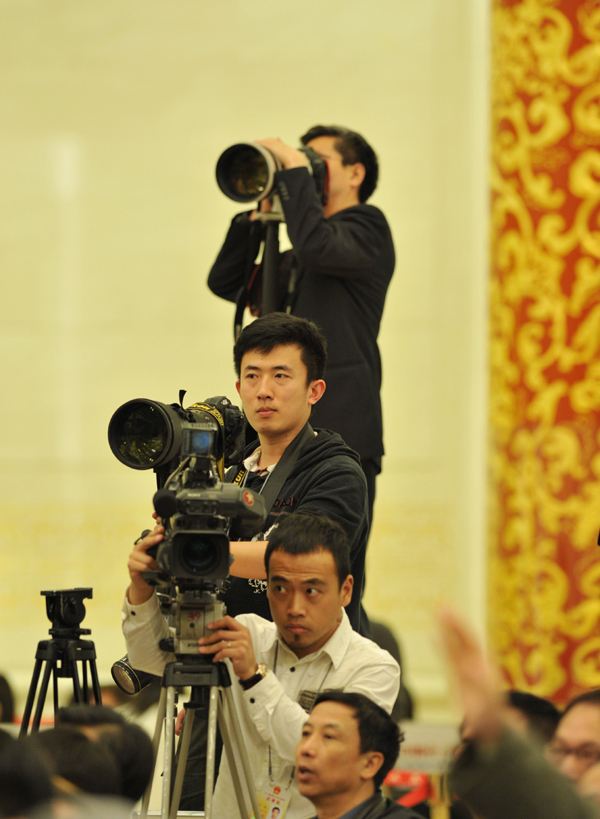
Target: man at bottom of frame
349	744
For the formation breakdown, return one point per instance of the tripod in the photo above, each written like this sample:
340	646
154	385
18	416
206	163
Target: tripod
204	678
65	609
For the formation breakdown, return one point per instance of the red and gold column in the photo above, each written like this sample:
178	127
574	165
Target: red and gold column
544	579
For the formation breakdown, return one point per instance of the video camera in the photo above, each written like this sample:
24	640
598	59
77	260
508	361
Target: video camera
188	450
246	173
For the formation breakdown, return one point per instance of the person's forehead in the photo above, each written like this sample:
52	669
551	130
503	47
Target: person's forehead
334	714
580	724
289	355
302	567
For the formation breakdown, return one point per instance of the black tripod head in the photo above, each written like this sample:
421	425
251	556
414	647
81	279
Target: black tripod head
65	610
60	655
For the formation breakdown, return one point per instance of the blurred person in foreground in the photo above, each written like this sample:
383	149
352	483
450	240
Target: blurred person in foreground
129	744
25	781
535	718
498	773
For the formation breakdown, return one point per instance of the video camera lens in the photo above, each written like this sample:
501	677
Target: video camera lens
246	172
144	434
197	552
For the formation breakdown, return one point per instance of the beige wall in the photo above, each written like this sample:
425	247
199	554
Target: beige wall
112	117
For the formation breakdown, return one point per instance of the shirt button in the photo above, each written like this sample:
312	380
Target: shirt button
292	668
252	700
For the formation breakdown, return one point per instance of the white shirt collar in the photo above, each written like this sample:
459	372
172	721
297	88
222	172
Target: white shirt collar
251	462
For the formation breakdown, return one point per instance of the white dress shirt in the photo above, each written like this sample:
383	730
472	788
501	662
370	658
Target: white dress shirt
269	712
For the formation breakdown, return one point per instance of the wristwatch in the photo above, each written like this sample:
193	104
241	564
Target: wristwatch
255	678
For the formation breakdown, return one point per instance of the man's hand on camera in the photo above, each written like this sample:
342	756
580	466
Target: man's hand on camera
288	156
139	561
231	639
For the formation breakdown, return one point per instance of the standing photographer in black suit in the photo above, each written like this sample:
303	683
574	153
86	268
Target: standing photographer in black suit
336	275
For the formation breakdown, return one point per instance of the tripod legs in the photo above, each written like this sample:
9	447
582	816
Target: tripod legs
230	728
221	710
60	657
162	703
210	751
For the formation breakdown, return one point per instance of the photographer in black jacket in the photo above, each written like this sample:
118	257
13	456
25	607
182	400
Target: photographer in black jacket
336	275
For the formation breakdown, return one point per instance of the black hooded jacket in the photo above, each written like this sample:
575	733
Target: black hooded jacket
327	479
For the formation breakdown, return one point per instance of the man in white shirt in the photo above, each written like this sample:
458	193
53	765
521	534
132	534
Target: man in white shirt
282	666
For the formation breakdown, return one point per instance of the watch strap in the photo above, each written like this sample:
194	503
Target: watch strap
255	678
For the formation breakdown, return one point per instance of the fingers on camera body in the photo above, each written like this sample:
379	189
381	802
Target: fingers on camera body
149	539
139	559
230	640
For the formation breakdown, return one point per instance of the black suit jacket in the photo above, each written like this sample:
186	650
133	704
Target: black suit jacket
343	265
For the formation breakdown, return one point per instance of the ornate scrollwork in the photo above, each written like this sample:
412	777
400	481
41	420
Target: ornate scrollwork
545	345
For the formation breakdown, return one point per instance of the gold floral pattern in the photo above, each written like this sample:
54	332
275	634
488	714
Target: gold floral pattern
544	575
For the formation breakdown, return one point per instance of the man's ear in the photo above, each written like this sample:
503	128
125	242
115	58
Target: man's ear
316	390
346	590
372	762
358	175
237	386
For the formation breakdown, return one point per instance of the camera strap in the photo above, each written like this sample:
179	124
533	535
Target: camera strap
271	488
250	294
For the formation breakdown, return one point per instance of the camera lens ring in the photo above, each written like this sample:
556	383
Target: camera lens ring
246	172
142	433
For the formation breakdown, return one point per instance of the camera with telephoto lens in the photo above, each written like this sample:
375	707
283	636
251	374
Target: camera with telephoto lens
246	172
189	450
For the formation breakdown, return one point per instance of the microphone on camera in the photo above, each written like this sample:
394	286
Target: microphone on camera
165	503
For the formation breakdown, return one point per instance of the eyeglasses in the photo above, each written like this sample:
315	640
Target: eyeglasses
585	754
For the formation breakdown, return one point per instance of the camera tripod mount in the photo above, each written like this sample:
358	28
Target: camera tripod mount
60	655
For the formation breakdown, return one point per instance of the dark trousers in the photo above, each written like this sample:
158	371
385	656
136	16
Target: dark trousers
371	468
192	794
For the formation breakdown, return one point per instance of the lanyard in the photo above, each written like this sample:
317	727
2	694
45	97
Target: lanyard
315	697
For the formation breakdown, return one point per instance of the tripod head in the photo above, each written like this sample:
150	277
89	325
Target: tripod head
60	655
65	610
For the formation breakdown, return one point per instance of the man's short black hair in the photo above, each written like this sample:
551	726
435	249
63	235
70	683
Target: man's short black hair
353	148
130	745
82	715
88	765
591	697
542	715
132	748
300	534
24	777
275	329
377	730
